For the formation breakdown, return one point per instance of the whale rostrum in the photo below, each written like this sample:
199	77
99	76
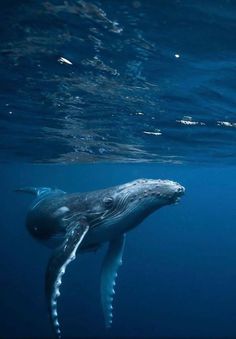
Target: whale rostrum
73	223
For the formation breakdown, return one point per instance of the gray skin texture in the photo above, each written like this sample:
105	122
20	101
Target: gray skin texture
108	212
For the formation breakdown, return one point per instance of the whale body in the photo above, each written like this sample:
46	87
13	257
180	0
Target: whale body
78	222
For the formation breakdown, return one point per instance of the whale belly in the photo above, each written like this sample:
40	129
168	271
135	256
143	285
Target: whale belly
103	233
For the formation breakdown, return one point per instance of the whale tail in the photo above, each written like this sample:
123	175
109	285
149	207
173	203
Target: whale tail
34	190
39	191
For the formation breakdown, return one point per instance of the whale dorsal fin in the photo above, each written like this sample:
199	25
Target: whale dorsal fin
57	264
111	263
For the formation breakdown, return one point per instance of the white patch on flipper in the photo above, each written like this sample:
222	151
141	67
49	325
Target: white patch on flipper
57	283
60	211
111	263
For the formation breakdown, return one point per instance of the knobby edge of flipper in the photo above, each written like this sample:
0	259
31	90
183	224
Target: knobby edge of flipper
57	264
111	263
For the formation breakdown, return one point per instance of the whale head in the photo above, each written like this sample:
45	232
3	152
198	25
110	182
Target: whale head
150	193
132	202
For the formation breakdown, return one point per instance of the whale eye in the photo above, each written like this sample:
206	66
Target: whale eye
108	202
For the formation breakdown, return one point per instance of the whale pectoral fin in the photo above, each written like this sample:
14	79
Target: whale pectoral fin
57	264
111	263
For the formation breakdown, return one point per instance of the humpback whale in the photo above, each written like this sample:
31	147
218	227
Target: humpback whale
78	222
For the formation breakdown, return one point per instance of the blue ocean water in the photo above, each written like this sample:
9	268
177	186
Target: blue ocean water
99	93
130	81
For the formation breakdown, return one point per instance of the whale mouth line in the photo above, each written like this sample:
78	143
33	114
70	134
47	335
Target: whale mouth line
178	195
177	200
